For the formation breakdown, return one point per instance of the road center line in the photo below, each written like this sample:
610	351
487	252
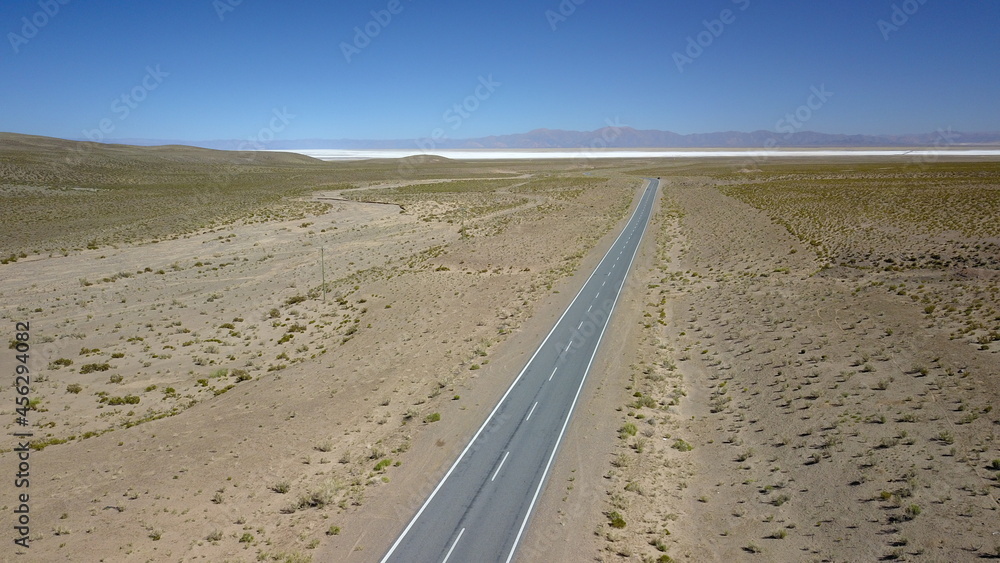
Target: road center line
445	560
553	373
495	473
469	446
567	347
527	418
552	455
579	325
589	308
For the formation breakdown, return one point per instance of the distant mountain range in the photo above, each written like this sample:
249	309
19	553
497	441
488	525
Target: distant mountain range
611	137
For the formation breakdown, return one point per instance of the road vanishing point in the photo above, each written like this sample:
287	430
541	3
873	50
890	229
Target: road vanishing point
481	508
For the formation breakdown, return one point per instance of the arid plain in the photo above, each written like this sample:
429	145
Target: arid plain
262	357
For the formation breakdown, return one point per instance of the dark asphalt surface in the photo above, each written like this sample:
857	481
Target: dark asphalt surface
481	508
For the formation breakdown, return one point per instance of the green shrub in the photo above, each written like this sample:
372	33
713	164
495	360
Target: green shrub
126	400
628	430
241	375
433	417
644	401
681	445
60	363
616	520
74	388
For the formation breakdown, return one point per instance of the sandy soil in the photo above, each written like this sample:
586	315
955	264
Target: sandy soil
768	406
199	399
791	373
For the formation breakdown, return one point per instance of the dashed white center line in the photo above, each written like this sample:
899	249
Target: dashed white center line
567	347
598	295
495	473
589	308
445	560
579	325
553	373
527	418
604	282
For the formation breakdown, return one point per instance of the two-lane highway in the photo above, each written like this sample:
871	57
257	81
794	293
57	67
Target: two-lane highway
481	508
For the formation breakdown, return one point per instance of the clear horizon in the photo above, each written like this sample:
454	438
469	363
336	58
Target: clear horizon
395	69
279	139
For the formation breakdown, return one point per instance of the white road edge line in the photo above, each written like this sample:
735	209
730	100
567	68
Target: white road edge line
504	398
502	461
572	406
445	560
527	418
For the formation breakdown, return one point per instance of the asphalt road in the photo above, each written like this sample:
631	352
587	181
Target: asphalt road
481	508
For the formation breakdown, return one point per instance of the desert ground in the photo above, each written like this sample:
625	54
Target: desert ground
240	357
808	374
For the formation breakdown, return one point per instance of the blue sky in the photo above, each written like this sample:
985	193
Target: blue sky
228	69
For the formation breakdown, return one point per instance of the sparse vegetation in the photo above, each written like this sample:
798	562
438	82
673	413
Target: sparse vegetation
747	345
91	368
615	520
